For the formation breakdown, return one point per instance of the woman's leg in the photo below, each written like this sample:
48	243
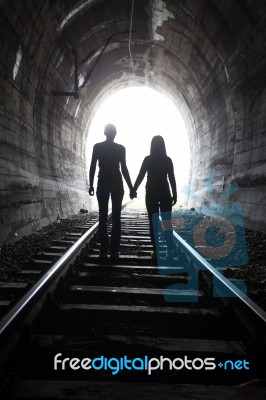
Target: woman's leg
152	206
166	209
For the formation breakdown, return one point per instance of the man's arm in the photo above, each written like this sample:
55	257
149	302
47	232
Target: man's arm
92	170
124	169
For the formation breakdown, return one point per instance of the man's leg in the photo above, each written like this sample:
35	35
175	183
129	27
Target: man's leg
117	198
103	198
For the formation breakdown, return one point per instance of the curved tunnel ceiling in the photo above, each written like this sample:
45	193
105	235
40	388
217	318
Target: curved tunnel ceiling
207	55
173	49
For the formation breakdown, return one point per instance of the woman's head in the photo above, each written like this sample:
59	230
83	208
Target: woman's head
158	146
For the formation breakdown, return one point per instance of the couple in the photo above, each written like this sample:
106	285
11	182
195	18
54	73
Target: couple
158	166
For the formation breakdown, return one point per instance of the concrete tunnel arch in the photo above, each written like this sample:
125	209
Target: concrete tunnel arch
208	55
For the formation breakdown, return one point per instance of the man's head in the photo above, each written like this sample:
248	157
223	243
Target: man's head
110	131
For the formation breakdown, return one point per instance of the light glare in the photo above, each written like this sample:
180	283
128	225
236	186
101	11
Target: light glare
139	114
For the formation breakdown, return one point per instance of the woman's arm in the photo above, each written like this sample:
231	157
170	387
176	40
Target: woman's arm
172	181
142	172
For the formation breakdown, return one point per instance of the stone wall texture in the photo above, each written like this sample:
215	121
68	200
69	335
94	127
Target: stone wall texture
209	56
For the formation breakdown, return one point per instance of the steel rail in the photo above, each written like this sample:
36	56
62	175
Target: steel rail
27	308
45	280
29	305
205	265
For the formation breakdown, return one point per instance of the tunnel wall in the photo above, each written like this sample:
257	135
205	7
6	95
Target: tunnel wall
42	148
230	124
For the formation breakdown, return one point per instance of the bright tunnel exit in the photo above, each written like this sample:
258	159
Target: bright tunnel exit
139	114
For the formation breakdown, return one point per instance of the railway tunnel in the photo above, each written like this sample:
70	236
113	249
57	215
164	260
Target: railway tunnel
61	59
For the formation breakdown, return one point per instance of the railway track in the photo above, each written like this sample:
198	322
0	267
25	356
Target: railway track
23	278
105	310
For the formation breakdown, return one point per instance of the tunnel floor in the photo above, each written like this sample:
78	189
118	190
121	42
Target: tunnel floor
14	256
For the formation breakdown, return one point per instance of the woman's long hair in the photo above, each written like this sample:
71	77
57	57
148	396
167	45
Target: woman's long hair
158	146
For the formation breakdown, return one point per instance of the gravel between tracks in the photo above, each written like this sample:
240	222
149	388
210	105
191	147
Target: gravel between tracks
14	255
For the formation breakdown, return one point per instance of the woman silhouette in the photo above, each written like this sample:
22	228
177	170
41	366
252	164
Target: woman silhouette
159	168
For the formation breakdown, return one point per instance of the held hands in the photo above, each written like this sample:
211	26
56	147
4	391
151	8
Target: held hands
132	194
91	191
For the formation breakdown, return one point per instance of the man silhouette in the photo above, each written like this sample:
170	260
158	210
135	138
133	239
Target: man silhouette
110	157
